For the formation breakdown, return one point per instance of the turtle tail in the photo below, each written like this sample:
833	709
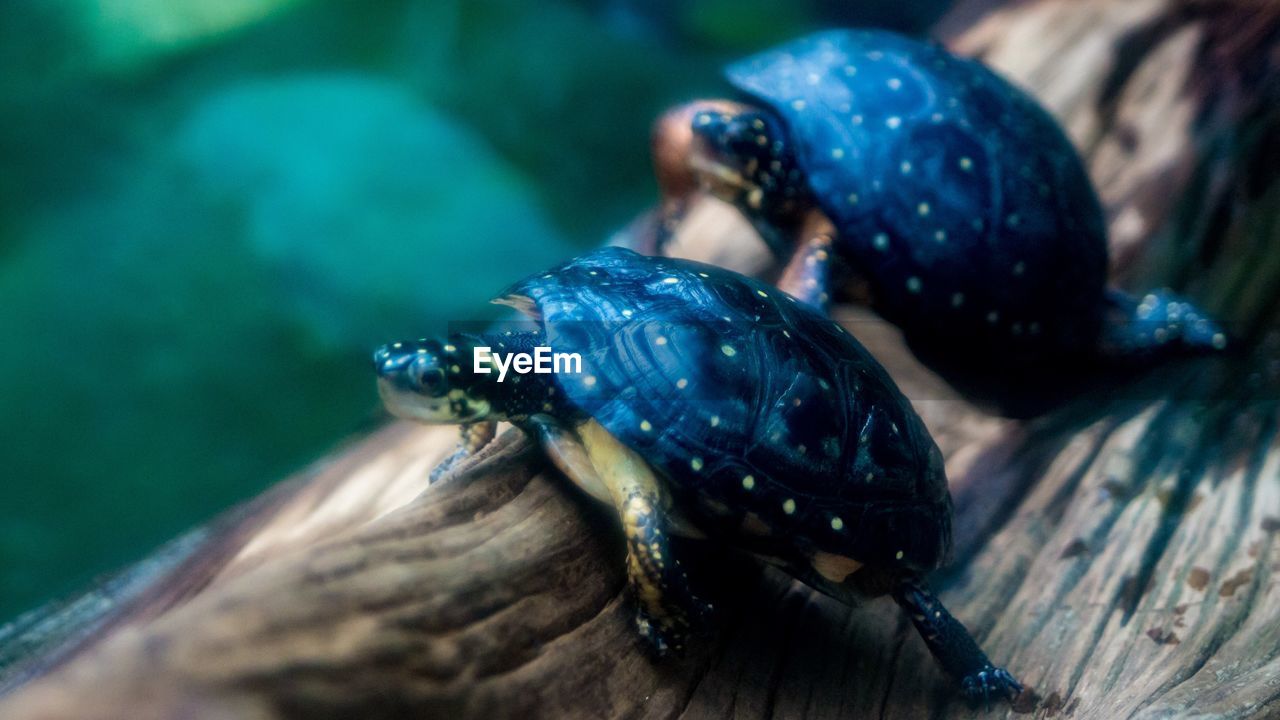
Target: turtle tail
1161	323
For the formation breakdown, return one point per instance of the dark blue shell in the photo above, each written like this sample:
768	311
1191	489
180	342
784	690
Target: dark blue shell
954	193
715	378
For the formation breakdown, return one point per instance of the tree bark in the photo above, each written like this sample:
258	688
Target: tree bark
1119	555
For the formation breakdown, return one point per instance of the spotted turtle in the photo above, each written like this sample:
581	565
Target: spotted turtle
956	201
714	407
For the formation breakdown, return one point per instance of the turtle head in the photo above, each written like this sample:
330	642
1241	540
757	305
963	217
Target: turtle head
739	153
431	381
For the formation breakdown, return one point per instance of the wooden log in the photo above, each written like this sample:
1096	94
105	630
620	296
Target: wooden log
1120	554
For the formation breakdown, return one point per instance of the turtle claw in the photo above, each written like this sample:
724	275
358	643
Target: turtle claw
990	681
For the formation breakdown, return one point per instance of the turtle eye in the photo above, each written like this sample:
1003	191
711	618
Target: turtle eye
432	382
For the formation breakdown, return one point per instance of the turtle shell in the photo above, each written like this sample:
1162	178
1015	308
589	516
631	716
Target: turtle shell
954	193
748	403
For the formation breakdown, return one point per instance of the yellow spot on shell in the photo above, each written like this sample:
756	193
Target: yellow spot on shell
762	293
450	348
696	463
748	482
589	380
899	555
646	426
660	340
715	420
682	383
728	350
789	506
837	523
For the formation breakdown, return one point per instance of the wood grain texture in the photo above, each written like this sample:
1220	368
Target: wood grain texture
1120	555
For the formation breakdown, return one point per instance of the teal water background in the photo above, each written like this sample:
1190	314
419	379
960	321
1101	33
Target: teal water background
211	211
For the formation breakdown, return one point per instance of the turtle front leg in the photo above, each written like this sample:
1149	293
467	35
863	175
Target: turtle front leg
1159	323
474	437
566	452
807	275
672	146
668	610
953	646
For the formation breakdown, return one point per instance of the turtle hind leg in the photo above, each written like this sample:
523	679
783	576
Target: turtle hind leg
1159	323
953	646
807	275
668	611
474	437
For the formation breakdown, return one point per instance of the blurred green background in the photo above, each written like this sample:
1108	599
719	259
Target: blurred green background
210	212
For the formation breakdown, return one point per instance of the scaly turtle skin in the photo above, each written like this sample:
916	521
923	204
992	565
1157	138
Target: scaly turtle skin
713	406
955	197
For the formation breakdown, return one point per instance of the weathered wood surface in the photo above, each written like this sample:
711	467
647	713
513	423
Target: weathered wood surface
1119	555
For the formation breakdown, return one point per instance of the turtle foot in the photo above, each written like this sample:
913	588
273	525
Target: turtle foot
990	682
1161	322
664	638
668	634
668	612
474	437
953	646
